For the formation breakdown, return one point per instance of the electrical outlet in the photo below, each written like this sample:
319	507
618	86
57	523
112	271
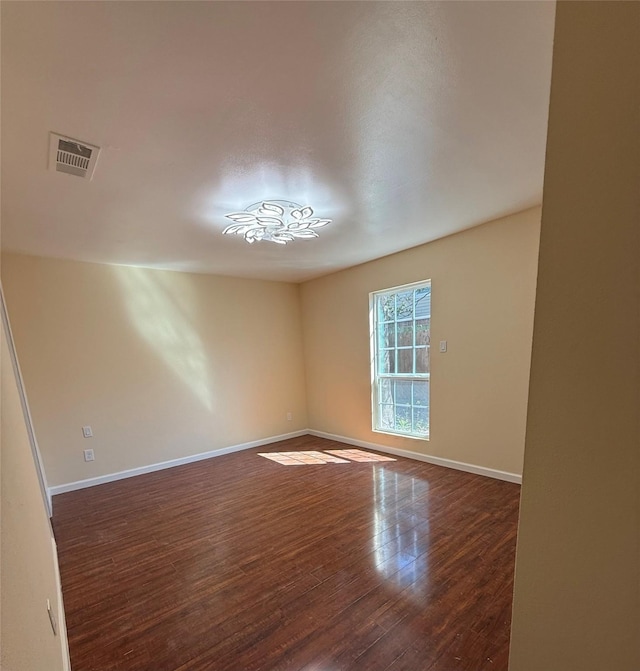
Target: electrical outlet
88	455
289	416
87	432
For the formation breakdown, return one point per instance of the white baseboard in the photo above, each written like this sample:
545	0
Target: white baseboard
120	475
438	461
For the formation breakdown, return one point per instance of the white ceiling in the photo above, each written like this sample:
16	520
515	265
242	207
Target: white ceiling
403	122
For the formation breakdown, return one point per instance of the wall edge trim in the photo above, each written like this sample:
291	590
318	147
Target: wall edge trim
141	470
436	461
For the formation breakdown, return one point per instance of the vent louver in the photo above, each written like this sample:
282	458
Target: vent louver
73	157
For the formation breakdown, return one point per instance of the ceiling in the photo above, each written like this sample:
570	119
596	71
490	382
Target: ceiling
402	122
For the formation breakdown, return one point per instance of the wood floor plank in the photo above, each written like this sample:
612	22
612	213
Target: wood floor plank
239	563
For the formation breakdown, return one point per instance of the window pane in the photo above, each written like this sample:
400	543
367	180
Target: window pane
387	335
405	360
385	417
404	305
423	302
405	334
386	308
385	391
403	392
421	393
387	361
421	420
403	419
422	331
422	359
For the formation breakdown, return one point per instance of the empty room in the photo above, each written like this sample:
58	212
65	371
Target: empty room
320	336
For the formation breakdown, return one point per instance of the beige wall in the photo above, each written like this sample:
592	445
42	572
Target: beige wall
483	289
28	561
165	365
161	365
577	601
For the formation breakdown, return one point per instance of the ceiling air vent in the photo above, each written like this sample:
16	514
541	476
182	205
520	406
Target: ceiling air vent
72	156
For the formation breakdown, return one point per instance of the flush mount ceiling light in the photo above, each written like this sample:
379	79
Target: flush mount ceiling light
277	221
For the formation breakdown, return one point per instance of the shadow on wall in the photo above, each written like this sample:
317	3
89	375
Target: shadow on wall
165	324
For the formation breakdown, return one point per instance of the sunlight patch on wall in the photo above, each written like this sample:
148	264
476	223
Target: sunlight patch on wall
163	323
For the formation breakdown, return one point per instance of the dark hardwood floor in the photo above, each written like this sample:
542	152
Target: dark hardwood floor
238	563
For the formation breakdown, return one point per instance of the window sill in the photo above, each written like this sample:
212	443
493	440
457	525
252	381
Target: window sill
397	434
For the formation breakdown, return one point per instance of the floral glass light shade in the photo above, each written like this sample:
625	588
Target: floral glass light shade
278	221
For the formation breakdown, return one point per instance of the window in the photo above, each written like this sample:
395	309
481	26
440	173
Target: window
400	339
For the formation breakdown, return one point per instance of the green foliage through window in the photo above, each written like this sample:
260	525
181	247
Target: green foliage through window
401	359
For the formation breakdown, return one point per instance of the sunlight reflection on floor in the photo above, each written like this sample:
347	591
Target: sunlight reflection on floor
399	549
327	457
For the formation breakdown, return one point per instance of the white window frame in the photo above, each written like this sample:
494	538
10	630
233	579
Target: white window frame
377	376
